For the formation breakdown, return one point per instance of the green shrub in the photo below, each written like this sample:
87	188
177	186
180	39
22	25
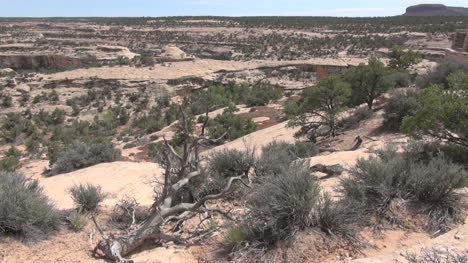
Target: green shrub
399	105
306	149
456	153
263	94
83	155
76	221
54	149
7	101
24	209
86	197
11	161
235	236
234	126
130	145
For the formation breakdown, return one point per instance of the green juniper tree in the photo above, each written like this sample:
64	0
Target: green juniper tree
320	105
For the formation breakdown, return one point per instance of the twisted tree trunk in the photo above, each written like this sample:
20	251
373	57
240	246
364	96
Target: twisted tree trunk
179	170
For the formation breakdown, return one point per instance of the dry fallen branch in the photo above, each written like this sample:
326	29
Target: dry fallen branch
180	169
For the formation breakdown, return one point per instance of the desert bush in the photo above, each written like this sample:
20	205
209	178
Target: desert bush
281	205
335	217
390	175
305	149
358	115
262	95
235	236
456	153
7	101
11	161
231	162
86	197
149	123
234	126
76	221
83	155
24	209
399	79
399	105
437	255
275	156
130	145
222	165
32	144
439	74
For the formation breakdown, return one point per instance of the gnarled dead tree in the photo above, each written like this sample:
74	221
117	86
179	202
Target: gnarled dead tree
180	169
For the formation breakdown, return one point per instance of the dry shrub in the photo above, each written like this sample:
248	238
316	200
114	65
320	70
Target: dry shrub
24	209
390	175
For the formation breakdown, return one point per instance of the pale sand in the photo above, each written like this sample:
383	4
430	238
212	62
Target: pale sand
199	67
117	179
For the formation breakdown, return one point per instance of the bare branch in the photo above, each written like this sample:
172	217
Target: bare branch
98	227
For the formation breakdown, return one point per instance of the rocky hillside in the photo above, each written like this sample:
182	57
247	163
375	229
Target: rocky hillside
435	10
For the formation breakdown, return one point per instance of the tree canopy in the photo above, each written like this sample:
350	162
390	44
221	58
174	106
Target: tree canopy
444	112
401	59
368	81
319	107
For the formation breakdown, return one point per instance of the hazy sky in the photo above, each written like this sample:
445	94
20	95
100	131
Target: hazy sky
210	7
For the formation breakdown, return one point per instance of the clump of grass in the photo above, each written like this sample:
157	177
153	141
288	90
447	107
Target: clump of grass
87	197
76	221
235	236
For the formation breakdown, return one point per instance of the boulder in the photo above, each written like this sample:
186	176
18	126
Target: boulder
23	88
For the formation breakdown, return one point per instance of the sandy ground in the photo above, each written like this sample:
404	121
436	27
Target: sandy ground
199	67
117	180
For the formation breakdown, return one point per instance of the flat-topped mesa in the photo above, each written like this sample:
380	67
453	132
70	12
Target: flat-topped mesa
435	10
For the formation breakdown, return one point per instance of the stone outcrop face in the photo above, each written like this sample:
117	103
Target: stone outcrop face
37	61
435	10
